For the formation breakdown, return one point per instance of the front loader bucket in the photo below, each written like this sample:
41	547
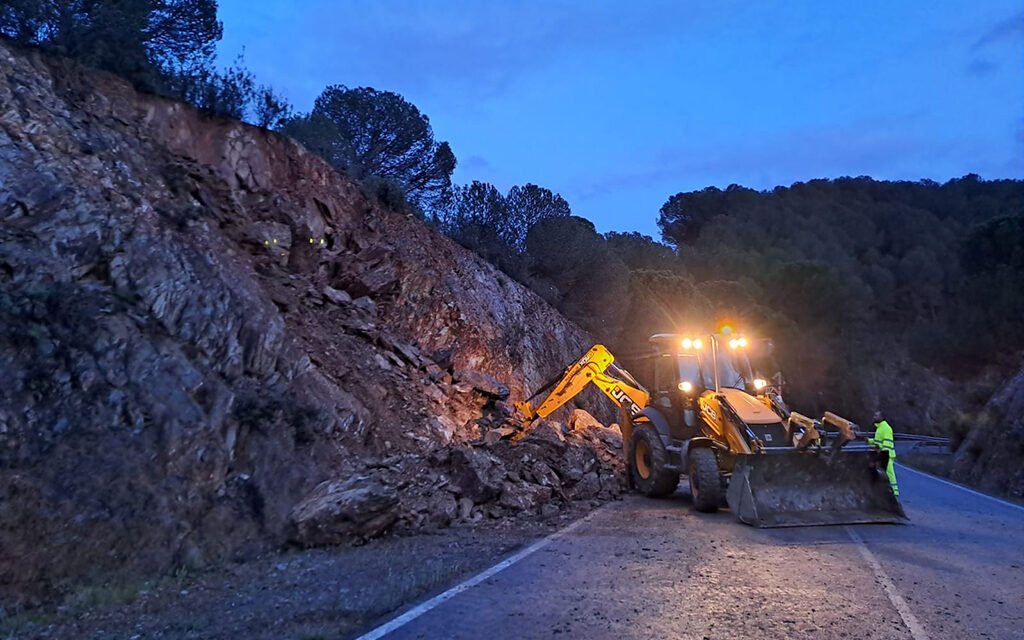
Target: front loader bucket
803	488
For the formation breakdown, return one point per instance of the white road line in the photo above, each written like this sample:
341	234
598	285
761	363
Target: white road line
424	607
916	630
1005	503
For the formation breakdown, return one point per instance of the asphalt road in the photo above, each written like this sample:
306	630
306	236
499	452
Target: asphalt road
645	568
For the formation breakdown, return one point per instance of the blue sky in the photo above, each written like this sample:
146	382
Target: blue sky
619	105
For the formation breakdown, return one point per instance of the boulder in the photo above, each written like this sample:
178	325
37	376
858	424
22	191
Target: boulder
581	420
439	510
496	435
522	496
585	425
610	482
575	463
444	427
549	510
482	382
588	487
547	433
343	511
465	508
337	296
477	474
367	305
545	475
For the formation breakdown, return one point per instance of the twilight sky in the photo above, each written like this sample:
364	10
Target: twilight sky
618	105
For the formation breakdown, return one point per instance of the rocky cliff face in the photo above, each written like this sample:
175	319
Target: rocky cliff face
201	323
991	453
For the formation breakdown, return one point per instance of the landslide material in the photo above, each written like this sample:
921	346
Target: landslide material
796	489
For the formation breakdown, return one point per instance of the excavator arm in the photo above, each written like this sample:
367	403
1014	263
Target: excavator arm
596	367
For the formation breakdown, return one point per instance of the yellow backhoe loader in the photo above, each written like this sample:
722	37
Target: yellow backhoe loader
707	417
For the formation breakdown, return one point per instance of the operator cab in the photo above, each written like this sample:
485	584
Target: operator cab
691	374
694	364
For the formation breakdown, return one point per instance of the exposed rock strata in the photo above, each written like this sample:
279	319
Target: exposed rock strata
201	323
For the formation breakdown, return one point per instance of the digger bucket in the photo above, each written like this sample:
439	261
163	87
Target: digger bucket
804	488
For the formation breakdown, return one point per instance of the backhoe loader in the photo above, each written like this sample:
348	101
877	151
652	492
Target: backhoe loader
709	418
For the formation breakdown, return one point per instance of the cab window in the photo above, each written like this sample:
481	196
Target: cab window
689	369
664	376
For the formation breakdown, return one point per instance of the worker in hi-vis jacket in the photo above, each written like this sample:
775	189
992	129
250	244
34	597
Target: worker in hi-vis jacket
883	439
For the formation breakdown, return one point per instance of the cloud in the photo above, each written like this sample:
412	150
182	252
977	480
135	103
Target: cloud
1008	29
475	164
478	50
979	67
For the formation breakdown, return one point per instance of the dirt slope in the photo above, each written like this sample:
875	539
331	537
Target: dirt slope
201	322
991	453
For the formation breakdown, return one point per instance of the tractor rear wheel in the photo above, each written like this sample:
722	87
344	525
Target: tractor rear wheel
648	463
705	484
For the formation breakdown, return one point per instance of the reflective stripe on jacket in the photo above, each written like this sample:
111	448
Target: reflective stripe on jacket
883	438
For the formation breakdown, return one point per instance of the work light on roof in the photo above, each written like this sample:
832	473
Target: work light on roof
737	343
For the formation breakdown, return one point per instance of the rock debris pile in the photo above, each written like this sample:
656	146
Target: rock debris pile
487	479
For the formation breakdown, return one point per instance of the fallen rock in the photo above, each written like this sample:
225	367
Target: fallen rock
478	475
465	508
580	420
343	511
440	510
545	475
367	305
585	425
482	382
549	510
610	482
524	496
577	462
547	432
337	296
444	427
503	409
588	487
495	435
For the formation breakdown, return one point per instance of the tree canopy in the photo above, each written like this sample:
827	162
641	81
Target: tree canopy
366	132
139	39
495	225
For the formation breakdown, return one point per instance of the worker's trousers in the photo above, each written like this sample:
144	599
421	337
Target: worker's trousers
890	470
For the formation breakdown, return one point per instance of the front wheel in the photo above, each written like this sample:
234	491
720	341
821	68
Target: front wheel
705	483
648	463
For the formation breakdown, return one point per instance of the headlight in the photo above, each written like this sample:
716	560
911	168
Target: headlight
697	344
734	343
686	386
759	384
687	343
741	342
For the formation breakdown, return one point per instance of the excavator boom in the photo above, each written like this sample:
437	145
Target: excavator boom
596	367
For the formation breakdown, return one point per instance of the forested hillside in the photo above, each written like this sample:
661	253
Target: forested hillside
901	295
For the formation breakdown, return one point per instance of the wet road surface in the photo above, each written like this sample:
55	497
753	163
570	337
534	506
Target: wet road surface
645	568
